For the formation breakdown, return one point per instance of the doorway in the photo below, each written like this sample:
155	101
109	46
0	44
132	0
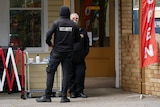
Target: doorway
97	17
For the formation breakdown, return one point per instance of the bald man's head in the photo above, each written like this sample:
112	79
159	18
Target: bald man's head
74	17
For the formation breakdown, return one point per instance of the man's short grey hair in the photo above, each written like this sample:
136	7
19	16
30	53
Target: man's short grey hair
73	14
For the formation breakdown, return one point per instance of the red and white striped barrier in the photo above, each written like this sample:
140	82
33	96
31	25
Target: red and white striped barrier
14	72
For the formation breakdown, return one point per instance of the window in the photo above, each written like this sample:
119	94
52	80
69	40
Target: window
95	19
136	17
157	17
25	23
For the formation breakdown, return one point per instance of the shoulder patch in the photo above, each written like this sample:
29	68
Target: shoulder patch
82	36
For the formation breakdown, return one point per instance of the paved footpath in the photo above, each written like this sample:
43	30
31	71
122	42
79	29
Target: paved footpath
97	97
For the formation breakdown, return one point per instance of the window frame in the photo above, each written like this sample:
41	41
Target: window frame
44	26
135	17
135	29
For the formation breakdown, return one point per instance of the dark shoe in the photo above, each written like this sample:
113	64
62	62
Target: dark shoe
64	100
82	95
73	95
43	99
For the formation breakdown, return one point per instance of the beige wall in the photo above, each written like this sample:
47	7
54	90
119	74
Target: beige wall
53	9
37	75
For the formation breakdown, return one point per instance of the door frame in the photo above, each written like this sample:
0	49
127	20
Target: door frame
117	58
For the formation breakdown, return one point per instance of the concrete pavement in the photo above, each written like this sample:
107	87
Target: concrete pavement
97	97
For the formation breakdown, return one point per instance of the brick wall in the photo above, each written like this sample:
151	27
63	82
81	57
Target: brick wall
152	76
129	48
130	71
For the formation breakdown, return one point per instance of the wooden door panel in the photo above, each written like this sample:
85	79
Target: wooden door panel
100	68
100	63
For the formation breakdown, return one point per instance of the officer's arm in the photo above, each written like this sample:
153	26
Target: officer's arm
49	34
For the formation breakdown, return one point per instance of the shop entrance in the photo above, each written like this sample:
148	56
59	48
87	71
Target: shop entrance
97	17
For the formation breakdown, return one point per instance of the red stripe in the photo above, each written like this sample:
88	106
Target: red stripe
11	81
13	75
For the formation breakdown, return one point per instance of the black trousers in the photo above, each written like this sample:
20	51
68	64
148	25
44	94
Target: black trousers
55	60
77	77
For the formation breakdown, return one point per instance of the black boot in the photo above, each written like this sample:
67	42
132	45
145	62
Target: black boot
43	99
82	95
73	95
64	99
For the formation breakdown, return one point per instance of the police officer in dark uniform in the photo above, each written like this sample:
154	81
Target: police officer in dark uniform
66	33
81	49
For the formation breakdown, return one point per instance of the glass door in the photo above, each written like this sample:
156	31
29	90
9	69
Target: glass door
98	18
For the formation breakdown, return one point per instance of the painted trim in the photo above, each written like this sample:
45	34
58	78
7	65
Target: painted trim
72	6
45	29
5	23
117	70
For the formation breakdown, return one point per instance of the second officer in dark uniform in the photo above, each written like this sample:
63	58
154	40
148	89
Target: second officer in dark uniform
81	49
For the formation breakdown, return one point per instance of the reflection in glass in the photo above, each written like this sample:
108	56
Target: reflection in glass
33	3
17	3
25	28
96	21
25	3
